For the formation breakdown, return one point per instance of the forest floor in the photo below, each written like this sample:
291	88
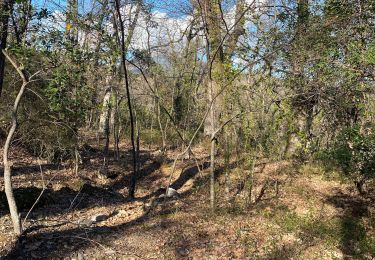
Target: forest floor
302	214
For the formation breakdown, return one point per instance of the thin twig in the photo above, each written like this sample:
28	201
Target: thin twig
40	195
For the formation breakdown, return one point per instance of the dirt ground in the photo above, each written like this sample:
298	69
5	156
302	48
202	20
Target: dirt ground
300	214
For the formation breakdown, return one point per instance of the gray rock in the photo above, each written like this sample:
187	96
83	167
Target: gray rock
85	222
182	251
99	217
172	193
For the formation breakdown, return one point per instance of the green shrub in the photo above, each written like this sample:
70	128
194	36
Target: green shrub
354	152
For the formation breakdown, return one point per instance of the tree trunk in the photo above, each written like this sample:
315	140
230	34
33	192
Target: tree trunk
308	127
163	140
116	125
7	164
105	114
72	21
107	121
6	7
133	178
138	148
213	122
227	154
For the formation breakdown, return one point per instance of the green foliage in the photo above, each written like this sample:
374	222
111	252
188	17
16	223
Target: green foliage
58	100
151	136
354	151
66	91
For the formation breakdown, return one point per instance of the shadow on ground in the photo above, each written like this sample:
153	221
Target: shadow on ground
82	194
53	243
59	244
354	238
29	169
61	201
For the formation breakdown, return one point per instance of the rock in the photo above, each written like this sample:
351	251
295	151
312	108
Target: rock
172	193
182	251
99	217
85	222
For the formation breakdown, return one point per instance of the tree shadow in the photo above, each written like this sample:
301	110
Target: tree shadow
200	180
187	174
62	244
353	234
60	201
58	244
149	166
52	243
57	202
29	169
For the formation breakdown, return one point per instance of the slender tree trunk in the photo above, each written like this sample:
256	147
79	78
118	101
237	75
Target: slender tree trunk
7	164
107	120
308	127
8	182
152	122
116	126
21	25
138	149
107	132
123	61
77	157
213	144
212	174
6	7
227	154
105	114
163	144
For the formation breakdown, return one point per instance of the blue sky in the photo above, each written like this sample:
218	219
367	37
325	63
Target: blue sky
175	8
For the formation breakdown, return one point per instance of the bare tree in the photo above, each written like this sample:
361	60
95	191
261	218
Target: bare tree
7	164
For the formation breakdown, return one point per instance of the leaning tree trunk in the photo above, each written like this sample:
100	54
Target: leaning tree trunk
7	164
